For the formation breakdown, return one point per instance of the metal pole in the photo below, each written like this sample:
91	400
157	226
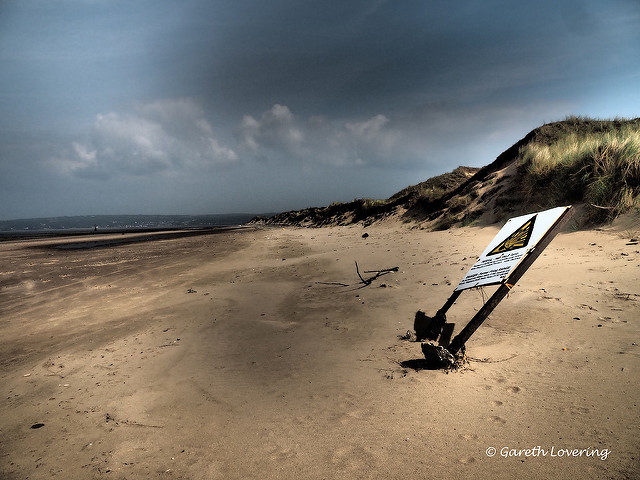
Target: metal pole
450	301
440	318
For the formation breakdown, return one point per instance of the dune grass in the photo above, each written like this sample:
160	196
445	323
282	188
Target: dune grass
601	168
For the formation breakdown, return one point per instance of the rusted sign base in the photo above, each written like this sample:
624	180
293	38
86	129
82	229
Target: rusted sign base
438	356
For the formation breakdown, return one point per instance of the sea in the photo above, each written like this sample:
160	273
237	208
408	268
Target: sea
117	223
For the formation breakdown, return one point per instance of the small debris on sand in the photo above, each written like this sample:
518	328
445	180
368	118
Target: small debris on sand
410	336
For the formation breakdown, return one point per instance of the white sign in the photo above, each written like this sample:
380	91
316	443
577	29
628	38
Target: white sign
514	240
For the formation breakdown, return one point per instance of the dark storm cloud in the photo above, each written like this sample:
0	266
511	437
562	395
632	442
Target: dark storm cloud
185	106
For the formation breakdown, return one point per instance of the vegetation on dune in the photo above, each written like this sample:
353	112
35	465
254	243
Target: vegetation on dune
369	210
595	162
436	186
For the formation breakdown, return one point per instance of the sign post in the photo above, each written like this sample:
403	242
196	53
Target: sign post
512	251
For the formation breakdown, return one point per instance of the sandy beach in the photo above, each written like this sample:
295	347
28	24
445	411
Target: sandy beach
240	355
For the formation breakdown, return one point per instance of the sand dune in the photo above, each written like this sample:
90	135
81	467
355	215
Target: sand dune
222	356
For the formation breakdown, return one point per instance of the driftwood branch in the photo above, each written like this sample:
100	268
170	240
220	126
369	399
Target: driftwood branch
364	281
384	270
378	273
361	279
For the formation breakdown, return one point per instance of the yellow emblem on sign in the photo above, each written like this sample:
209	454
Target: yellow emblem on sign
518	239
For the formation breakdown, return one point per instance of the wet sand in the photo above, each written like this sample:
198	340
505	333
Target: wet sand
222	356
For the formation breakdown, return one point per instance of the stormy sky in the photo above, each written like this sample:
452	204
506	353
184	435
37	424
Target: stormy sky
193	107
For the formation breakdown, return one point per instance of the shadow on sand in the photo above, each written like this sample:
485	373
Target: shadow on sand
421	364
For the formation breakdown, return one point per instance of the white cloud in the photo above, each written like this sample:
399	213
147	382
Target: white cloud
277	129
174	136
369	128
280	135
165	135
84	154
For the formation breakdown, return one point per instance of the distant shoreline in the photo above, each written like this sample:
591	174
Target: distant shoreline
87	224
111	237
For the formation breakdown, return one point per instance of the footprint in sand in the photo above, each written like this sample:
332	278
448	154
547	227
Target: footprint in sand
496	403
468	436
574	410
352	415
302	419
495	418
466	460
514	389
278	453
353	458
